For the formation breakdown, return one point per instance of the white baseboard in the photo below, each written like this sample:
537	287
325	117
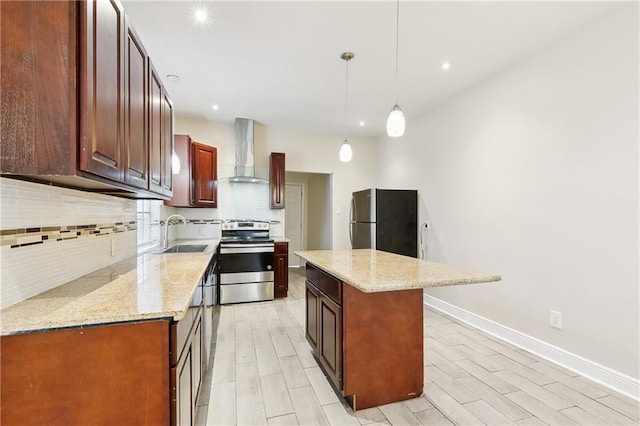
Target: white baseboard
606	376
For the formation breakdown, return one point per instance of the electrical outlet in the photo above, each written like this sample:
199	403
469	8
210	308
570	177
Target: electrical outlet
555	319
113	247
202	231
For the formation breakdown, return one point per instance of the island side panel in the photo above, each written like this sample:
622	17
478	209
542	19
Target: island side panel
115	374
383	346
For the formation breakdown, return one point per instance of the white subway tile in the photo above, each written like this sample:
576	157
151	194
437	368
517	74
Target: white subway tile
30	270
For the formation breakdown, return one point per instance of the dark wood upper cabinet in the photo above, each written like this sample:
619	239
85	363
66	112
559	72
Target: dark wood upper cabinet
156	165
167	144
276	179
204	175
80	105
136	143
196	185
102	74
182	180
38	119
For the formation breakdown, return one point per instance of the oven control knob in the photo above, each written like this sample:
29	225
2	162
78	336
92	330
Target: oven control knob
269	267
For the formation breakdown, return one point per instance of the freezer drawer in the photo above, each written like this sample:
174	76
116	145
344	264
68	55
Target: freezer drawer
363	235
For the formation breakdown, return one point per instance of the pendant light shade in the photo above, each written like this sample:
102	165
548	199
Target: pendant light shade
175	164
395	122
345	152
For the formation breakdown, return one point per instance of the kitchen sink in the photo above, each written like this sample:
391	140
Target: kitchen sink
186	248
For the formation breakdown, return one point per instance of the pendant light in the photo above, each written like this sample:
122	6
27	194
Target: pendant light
175	160
345	150
395	121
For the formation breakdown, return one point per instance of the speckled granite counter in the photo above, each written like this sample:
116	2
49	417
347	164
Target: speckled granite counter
143	287
373	271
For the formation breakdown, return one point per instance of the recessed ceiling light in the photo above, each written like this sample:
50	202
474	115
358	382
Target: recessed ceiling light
214	107
362	124
200	15
446	66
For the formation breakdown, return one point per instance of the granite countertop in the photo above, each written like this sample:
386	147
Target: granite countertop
147	286
373	271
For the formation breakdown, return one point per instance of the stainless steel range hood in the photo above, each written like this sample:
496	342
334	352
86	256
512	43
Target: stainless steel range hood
245	171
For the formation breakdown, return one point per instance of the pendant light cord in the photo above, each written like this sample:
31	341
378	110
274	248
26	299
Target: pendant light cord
397	42
346	102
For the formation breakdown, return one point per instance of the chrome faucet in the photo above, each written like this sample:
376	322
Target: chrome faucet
166	228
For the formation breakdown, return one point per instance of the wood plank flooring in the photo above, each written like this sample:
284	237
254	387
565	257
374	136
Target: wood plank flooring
264	373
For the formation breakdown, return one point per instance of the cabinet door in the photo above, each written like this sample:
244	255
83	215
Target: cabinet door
312	303
204	175
38	101
184	391
136	145
167	144
182	181
155	131
330	344
102	89
197	361
281	275
276	179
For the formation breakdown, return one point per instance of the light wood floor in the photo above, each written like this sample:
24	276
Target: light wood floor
264	373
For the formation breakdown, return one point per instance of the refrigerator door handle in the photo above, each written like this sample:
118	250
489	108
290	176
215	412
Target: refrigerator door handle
352	210
352	219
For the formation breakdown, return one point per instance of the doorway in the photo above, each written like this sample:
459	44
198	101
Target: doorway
293	219
308	221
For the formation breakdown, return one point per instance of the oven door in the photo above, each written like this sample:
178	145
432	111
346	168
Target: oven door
246	272
246	262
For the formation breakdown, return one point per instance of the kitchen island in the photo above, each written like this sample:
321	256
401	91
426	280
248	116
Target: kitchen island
364	319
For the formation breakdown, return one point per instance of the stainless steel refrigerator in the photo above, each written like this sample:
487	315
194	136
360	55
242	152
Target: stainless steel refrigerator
385	219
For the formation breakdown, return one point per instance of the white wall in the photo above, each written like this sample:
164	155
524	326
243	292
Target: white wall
305	152
533	174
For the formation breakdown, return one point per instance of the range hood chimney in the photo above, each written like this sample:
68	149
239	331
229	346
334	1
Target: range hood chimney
245	171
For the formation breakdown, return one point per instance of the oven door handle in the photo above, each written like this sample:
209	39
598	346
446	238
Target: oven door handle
244	249
225	245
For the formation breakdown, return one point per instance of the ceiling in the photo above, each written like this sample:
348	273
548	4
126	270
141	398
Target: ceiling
279	62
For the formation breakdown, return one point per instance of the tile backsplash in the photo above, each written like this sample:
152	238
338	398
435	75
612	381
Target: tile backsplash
235	201
52	235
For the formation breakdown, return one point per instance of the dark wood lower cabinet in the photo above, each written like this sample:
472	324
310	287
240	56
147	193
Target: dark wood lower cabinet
138	373
330	348
281	269
113	374
313	300
186	350
184	393
370	345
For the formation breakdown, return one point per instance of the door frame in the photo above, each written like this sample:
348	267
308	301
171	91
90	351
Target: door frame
302	222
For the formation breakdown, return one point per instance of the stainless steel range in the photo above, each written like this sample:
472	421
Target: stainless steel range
246	262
